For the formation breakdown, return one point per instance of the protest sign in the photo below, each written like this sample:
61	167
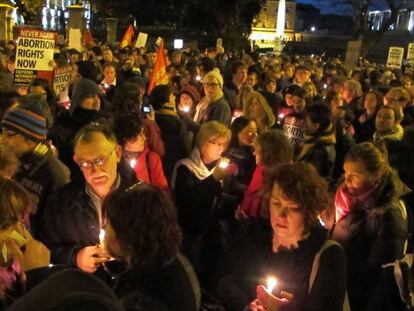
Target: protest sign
34	55
142	40
61	79
410	54
395	57
353	52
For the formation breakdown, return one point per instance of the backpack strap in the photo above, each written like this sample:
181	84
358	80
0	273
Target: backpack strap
315	265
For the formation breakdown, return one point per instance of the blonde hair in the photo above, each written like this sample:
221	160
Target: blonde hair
270	117
354	86
212	129
14	203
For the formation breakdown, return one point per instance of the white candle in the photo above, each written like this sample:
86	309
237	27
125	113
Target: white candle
101	237
224	163
132	163
271	283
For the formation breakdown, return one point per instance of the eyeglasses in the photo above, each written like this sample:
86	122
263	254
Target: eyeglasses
98	162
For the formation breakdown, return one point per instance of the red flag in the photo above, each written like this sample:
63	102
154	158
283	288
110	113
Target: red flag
127	38
159	74
88	39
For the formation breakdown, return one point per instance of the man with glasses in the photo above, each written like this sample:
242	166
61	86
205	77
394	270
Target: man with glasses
73	218
40	172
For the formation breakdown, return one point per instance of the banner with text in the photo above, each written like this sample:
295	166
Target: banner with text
34	55
410	54
395	57
61	79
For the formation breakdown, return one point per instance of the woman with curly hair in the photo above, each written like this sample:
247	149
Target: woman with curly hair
141	229
287	247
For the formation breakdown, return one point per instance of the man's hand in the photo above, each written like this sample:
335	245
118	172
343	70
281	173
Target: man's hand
267	302
89	258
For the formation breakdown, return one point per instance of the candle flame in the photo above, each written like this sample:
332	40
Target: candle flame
132	163
224	163
271	283
186	109
281	115
101	237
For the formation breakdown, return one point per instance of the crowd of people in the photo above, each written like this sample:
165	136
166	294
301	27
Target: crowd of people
248	182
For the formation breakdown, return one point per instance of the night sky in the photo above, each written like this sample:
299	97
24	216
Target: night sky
327	7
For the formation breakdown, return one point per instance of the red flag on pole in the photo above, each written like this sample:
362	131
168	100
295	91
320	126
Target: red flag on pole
88	39
127	38
159	73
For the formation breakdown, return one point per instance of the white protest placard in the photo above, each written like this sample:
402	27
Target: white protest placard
61	79
158	41
34	55
141	40
395	57
75	39
410	54
353	52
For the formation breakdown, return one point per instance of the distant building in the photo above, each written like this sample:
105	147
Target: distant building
55	14
264	25
405	20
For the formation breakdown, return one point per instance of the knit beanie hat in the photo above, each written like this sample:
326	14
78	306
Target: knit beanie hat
215	73
27	120
192	92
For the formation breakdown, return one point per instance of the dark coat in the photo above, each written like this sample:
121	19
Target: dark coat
175	136
374	233
364	131
41	173
174	284
197	204
250	259
322	156
71	222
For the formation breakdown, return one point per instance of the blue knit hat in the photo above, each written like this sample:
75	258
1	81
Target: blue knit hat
27	120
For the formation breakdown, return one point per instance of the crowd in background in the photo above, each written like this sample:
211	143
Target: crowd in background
190	197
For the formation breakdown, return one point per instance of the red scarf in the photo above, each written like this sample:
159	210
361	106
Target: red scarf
345	202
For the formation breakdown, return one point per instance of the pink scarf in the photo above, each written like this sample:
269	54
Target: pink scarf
345	202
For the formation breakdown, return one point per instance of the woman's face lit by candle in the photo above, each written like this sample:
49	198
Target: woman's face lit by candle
286	217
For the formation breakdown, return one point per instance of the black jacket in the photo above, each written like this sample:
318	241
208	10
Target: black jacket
70	221
41	173
374	233
173	283
176	140
250	260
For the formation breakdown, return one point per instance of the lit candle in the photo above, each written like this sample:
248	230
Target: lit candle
281	116
101	237
186	109
224	162
132	163
271	283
